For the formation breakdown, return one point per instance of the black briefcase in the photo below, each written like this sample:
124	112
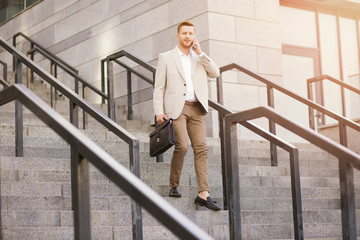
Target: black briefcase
162	138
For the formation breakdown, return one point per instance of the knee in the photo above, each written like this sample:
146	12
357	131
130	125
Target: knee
200	147
181	147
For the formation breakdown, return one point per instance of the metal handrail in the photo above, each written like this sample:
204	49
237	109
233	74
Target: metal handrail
89	152
110	82
77	78
347	160
311	105
232	195
67	70
346	178
110	78
321	78
4	70
57	62
75	102
35	44
4	83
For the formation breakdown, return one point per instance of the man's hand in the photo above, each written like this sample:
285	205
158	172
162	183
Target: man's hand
197	49
160	118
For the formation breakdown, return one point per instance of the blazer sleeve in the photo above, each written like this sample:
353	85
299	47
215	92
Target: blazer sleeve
159	87
210	66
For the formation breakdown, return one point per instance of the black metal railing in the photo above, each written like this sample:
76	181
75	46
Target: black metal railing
346	180
55	63
4	65
85	151
53	70
109	70
347	161
343	122
310	91
4	83
35	44
231	184
75	102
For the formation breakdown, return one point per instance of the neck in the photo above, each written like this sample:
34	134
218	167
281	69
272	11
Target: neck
184	50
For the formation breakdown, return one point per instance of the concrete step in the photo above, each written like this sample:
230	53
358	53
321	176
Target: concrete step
36	192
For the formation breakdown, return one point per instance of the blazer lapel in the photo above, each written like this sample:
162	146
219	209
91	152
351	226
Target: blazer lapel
193	63
178	64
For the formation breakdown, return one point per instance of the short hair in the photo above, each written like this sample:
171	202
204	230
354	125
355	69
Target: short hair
185	23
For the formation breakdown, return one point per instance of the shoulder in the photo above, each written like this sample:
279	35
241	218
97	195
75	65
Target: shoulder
168	53
166	56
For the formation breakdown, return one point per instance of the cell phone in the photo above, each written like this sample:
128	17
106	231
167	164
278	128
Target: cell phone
194	47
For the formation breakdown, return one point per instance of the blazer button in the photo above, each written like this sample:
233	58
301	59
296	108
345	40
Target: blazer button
184	94
184	84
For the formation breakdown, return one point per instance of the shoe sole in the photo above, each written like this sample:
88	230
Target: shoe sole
175	196
202	205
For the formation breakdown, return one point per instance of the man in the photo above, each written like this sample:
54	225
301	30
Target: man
181	93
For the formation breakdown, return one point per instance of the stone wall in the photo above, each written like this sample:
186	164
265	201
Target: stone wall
82	32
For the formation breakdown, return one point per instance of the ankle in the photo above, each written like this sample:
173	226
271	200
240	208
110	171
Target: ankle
203	194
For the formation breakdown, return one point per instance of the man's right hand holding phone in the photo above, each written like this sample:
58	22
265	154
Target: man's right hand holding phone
196	47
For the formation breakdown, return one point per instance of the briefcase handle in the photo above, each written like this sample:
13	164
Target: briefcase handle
156	124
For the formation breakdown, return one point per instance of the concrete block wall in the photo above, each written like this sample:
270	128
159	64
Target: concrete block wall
247	33
82	32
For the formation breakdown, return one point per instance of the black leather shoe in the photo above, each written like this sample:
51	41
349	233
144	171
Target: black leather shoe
206	203
174	192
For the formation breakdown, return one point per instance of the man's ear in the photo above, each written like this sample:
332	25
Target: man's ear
177	36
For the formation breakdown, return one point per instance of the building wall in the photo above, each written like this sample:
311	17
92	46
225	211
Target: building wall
82	32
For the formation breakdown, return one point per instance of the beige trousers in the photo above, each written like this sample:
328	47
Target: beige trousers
190	124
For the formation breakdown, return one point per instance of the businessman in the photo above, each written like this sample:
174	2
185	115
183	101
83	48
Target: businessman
181	93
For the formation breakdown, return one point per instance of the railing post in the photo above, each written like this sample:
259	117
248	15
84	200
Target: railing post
74	114
296	195
347	201
52	89
347	192
220	99
55	76
32	59
129	88
110	84
232	179
14	58
4	71
19	138
76	86
219	86
343	105
103	79
134	151
85	116
272	127
80	195
311	110
29	71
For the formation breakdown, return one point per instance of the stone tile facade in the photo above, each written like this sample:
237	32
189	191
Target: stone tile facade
82	32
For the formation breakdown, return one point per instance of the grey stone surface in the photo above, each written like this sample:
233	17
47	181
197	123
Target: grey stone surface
36	189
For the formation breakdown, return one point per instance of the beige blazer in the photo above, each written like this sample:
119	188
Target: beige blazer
170	88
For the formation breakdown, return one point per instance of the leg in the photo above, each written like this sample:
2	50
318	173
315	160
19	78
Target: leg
179	153
196	129
197	134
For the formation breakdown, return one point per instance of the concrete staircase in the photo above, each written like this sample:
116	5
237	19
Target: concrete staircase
36	192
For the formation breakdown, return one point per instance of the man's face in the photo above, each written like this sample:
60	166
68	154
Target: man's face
186	36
